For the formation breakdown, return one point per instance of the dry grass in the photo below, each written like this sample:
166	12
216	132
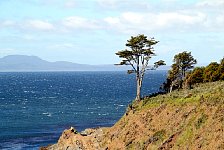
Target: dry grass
185	119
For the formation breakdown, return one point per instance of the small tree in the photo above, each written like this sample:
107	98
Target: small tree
182	62
141	50
185	61
174	77
211	72
196	76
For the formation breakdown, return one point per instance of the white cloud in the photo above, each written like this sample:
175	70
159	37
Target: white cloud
169	1
28	37
70	4
7	23
211	3
220	19
38	25
62	46
76	22
112	20
133	18
124	5
108	3
174	21
169	19
190	19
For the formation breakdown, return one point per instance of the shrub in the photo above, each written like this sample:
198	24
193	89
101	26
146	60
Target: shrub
201	121
197	75
211	72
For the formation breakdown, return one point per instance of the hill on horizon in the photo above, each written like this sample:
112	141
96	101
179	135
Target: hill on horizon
14	63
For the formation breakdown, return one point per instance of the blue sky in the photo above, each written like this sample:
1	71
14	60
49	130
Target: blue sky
91	31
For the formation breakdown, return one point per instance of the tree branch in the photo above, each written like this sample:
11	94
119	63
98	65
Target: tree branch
132	64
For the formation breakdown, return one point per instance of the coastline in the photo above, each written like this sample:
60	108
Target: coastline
175	120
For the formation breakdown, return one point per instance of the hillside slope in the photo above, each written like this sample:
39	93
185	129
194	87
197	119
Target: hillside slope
186	119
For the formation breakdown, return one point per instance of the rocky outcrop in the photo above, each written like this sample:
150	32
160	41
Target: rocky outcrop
90	139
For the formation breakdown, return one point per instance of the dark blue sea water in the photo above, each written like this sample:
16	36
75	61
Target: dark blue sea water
35	107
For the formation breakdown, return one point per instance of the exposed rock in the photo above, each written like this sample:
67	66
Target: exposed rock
71	140
87	132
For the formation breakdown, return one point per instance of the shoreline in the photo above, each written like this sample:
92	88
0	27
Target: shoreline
172	120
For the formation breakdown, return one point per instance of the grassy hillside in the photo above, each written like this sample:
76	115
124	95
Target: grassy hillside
185	119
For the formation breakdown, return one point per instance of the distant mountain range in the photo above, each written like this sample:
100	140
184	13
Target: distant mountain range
19	63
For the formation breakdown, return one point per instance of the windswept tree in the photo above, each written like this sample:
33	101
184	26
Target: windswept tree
174	77
185	61
182	62
211	72
137	56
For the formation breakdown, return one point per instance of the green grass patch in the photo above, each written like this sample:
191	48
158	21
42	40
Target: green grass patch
185	137
159	136
212	92
201	121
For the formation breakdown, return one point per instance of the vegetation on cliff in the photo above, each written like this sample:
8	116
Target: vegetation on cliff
185	119
213	72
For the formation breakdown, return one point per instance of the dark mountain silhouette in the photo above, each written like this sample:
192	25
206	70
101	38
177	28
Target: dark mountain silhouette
33	63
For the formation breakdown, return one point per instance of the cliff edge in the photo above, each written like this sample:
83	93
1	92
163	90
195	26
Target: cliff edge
185	119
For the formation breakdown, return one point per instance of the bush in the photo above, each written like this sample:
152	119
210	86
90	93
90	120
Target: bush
211	72
196	76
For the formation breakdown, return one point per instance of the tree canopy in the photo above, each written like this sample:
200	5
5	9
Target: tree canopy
184	61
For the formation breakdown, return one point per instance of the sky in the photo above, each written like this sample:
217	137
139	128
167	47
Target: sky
92	31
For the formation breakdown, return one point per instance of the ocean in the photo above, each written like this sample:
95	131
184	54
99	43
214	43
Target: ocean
35	107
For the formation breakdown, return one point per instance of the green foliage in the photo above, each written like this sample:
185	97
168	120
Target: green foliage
201	121
158	136
140	53
159	63
222	76
212	92
186	136
196	76
211	72
184	61
174	73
